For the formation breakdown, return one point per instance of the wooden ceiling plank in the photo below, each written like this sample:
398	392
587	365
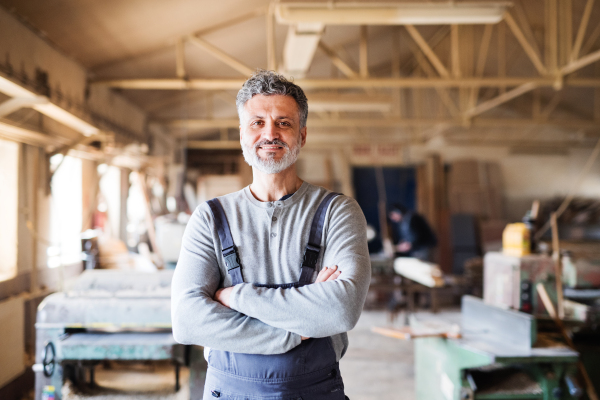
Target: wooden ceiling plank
180	59
221	55
429	53
337	61
583	24
169	43
481	61
545	114
503	98
551	12
529	50
363	52
521	16
455	51
442	92
396	122
581	62
381	83
589	44
231	22
271	45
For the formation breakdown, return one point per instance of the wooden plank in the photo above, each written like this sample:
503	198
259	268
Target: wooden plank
557	266
180	58
221	55
503	98
502	53
591	391
271	46
455	51
405	82
363	52
429	53
529	50
589	44
582	62
551	35
583	24
337	61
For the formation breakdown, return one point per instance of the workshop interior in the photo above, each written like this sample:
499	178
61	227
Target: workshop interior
468	132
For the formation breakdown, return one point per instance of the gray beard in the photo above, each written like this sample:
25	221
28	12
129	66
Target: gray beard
270	165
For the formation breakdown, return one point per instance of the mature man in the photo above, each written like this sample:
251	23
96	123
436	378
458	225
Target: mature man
246	285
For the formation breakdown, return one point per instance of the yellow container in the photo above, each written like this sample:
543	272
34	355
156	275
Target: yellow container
516	240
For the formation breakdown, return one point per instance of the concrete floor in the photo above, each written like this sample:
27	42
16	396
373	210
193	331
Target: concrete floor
375	367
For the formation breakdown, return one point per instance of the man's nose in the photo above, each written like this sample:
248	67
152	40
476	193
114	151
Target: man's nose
271	131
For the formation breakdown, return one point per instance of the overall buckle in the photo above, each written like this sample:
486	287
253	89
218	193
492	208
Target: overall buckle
310	258
232	260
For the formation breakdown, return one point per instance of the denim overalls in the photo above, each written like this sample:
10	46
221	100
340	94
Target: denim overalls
307	372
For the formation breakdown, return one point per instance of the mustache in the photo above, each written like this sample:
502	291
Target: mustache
271	142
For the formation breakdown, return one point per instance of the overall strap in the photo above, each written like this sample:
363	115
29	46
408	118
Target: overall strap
313	248
232	261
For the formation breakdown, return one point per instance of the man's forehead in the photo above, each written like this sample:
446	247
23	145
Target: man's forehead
280	104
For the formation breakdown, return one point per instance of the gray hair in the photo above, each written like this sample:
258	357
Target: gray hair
269	83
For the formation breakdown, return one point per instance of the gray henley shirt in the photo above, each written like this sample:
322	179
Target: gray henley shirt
271	238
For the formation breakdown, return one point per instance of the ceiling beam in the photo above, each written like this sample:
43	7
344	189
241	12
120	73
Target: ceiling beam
395	123
581	62
529	50
429	53
381	83
16	103
502	98
43	105
583	24
337	61
221	55
169	44
11	132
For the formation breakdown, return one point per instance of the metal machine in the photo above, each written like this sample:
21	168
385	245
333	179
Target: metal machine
108	315
499	356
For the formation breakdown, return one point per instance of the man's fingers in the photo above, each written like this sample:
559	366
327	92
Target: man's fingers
326	273
334	276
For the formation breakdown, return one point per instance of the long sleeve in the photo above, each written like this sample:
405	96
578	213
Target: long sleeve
323	309
198	319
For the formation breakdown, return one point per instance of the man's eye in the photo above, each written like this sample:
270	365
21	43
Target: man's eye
257	123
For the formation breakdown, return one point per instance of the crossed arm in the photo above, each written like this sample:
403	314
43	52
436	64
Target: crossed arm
325	275
250	319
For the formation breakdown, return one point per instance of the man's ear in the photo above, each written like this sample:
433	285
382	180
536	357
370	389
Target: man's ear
303	135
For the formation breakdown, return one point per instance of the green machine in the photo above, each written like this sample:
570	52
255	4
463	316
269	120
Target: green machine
108	315
495	358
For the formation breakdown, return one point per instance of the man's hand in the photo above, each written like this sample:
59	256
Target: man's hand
328	274
222	296
404	247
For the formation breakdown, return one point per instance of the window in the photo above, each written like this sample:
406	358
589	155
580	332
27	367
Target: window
9	194
65	212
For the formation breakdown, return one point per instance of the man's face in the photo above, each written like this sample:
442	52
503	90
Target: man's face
270	132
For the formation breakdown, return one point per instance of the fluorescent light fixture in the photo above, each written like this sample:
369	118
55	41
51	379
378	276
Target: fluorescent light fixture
43	105
300	46
425	13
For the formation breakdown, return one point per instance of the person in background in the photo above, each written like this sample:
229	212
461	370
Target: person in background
411	234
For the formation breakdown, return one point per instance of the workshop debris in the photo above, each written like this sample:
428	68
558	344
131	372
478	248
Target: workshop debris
425	273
